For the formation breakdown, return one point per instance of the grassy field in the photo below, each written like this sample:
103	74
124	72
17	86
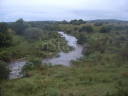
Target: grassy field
103	71
86	79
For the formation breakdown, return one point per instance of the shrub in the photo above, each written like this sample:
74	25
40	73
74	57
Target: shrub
19	26
4	71
64	22
104	29
5	38
81	39
83	28
124	53
4	55
89	29
98	24
32	63
33	33
87	51
77	22
69	31
75	29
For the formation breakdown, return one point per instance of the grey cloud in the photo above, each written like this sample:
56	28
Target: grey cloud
11	10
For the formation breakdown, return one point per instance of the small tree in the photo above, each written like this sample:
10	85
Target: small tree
33	33
3	27
64	22
81	39
75	29
83	28
75	22
19	26
81	21
104	29
69	31
32	63
5	38
89	29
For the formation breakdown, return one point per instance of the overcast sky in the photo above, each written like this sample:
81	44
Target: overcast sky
33	10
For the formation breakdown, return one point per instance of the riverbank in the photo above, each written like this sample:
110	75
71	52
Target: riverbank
16	66
65	58
22	47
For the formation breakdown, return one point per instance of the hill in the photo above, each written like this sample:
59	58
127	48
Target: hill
107	21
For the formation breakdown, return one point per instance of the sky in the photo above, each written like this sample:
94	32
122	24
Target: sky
58	10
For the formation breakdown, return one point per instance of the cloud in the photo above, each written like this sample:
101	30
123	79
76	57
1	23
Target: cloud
11	10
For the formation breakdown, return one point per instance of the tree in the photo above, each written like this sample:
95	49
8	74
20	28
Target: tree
3	27
88	29
33	33
81	21
5	38
104	29
75	22
81	39
4	71
19	26
64	22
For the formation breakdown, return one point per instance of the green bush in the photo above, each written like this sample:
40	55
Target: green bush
89	29
4	55
33	33
81	39
19	26
104	29
4	71
32	63
83	28
98	24
5	38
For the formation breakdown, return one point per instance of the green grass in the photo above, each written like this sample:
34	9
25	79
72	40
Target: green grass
104	72
87	79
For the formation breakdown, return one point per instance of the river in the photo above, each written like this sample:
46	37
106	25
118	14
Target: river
63	59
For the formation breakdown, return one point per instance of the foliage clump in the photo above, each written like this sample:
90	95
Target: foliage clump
5	37
4	71
33	33
32	63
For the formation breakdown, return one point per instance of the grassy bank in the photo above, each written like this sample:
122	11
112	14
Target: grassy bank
45	47
86	79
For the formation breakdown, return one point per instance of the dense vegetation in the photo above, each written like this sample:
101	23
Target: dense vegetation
5	38
102	71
